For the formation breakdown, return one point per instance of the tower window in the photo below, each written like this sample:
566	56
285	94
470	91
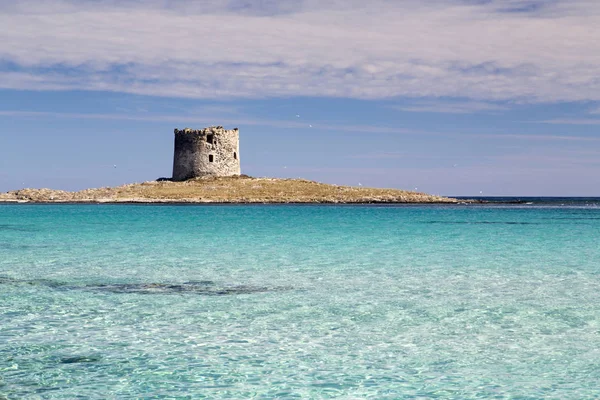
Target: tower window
211	158
234	155
210	139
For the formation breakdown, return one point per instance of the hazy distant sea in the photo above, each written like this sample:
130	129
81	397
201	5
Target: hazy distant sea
540	201
222	302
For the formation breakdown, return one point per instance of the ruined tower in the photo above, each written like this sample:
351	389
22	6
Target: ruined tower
212	151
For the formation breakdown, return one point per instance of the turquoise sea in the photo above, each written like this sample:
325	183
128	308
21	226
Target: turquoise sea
350	302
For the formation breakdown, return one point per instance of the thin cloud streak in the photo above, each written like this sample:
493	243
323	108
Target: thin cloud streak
457	107
179	119
573	121
195	119
462	161
497	50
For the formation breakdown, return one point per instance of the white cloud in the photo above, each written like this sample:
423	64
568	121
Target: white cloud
501	50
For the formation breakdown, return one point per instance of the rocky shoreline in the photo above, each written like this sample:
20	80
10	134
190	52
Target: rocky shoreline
227	190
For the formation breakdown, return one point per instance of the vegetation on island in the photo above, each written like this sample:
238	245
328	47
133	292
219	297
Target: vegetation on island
235	189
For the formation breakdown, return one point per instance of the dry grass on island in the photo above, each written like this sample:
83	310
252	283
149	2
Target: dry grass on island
239	189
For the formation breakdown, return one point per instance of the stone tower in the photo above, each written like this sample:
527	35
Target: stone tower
212	151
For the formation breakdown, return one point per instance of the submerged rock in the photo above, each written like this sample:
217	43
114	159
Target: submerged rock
79	359
206	288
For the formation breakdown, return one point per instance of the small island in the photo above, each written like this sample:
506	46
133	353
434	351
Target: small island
206	169
233	189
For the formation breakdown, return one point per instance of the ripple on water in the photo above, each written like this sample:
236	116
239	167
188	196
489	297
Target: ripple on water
300	302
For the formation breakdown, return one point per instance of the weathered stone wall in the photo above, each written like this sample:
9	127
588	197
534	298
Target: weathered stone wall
212	151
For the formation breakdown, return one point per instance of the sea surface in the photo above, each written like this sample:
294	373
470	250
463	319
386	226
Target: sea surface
290	301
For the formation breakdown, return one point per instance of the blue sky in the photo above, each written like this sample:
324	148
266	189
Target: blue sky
450	97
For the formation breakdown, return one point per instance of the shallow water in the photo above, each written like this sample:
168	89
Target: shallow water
156	301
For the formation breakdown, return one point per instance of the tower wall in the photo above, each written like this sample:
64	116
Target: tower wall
212	151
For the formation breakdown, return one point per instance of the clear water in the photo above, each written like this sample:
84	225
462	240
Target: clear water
353	302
